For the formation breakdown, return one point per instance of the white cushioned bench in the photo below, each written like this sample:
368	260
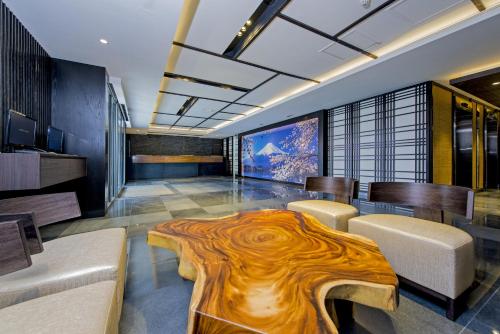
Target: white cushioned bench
67	263
426	253
437	256
90	309
334	214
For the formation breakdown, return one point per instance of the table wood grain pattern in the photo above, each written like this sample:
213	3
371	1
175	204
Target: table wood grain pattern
274	271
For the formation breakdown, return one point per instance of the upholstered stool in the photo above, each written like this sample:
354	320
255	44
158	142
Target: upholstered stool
84	310
329	213
68	263
334	214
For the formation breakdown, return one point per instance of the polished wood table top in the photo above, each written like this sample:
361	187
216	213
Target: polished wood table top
274	271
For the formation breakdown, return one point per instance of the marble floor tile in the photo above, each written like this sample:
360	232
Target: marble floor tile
146	191
217	198
189	213
179	203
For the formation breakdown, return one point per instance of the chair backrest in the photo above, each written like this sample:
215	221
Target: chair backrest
344	189
48	208
427	198
19	239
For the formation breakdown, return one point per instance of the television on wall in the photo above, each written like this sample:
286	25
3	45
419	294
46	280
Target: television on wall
286	153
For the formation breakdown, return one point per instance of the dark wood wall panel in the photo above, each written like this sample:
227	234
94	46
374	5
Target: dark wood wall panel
25	73
173	145
79	108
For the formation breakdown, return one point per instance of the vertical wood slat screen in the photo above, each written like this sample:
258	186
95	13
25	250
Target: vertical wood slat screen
384	138
25	75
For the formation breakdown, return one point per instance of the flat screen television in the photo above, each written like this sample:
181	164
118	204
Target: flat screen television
287	153
55	140
21	130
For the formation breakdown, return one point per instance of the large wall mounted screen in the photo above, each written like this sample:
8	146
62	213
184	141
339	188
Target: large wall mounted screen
287	153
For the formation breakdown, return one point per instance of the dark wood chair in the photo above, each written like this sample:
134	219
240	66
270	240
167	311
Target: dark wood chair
48	208
334	214
343	189
19	239
432	257
429	201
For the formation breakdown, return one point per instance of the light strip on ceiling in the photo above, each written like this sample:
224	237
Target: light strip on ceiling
188	11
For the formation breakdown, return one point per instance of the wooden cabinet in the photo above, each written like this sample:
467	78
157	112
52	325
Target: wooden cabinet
27	171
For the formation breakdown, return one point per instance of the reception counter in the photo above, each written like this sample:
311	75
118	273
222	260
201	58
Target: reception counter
171	166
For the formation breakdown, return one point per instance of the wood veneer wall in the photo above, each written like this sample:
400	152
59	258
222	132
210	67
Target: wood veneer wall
25	75
442	136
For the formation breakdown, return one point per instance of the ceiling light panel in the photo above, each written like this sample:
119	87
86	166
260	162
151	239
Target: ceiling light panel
166	119
195	89
491	3
205	108
330	16
289	48
171	104
200	65
397	19
217	21
272	89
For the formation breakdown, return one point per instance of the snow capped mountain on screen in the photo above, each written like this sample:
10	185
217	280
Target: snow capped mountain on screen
270	149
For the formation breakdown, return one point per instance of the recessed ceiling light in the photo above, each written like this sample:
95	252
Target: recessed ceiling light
103	41
496	83
249	22
243	29
240	34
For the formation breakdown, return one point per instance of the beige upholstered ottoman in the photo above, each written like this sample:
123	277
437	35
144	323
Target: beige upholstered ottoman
84	310
67	263
329	213
434	255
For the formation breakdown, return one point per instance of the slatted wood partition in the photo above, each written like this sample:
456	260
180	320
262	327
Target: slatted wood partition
383	138
25	75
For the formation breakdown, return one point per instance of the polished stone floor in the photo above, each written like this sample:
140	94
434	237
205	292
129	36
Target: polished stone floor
156	299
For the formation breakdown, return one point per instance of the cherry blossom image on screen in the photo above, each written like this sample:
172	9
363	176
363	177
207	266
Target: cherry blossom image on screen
287	153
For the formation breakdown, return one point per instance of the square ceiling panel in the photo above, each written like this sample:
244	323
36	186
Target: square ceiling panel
236	109
217	22
205	108
273	89
225	116
170	104
397	19
188	121
200	65
211	123
195	89
165	119
289	48
330	16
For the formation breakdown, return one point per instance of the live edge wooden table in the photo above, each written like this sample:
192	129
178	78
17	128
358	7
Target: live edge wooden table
274	271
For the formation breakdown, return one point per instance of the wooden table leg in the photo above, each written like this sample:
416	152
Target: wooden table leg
340	311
